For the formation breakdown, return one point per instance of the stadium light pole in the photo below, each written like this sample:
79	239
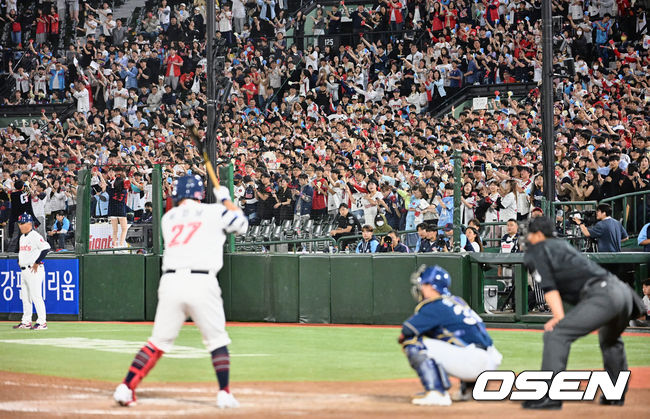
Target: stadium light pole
458	176
210	131
548	137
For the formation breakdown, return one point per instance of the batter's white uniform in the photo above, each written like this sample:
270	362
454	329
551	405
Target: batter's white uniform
31	246
194	235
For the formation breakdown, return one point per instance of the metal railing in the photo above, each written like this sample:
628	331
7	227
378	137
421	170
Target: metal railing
299	242
492	232
119	249
356	237
336	244
631	209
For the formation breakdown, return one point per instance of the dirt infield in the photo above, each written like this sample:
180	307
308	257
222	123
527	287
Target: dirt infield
31	396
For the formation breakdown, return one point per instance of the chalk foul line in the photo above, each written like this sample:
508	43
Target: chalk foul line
117	346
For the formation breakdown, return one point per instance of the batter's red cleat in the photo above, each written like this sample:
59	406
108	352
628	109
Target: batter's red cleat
39	326
124	395
23	326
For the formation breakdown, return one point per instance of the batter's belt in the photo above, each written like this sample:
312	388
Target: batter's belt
193	271
27	267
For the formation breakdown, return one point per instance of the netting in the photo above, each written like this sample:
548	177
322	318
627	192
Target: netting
120	214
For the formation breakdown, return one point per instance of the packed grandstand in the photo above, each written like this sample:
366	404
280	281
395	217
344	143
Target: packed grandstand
332	103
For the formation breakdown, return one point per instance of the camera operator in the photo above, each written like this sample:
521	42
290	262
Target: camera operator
607	231
391	243
448	238
437	242
637	182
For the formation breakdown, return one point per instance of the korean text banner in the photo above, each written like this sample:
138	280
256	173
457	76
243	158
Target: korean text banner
60	288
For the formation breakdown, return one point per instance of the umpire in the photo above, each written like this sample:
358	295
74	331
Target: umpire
601	302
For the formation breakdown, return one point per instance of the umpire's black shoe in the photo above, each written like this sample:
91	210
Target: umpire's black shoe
606	402
542	404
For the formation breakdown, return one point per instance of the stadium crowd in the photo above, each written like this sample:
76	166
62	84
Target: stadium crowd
315	131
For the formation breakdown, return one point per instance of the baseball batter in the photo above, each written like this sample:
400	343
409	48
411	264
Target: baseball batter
194	235
32	251
444	337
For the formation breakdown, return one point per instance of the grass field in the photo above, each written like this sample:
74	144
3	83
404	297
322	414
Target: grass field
103	351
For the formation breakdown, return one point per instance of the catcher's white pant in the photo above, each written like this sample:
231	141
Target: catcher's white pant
467	362
31	291
181	295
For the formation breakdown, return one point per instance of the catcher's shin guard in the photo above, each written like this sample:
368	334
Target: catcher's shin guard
143	362
432	376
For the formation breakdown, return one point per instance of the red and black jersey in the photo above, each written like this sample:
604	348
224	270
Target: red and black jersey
117	191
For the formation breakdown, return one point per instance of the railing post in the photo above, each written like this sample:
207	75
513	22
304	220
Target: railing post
476	299
157	208
521	290
82	230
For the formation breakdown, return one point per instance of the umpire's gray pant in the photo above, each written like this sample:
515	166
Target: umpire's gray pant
605	304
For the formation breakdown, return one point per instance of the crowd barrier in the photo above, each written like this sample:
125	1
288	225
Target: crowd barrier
305	288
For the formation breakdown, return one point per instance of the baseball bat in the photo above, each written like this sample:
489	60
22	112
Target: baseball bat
194	136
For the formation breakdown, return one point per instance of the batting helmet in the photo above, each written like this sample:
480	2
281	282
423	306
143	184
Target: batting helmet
25	218
188	187
435	276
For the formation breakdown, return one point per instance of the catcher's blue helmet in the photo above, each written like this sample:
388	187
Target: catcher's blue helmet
188	187
435	276
25	218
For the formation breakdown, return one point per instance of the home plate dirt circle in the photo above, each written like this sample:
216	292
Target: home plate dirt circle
35	396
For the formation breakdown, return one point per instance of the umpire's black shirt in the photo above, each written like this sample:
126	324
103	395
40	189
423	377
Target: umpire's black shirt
559	266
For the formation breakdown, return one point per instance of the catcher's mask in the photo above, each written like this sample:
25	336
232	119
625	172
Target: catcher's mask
435	276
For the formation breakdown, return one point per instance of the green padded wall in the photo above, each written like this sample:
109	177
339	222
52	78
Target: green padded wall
314	289
457	267
284	287
113	287
248	287
392	300
351	289
151	281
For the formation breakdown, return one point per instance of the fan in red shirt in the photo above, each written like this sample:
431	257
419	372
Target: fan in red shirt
53	23
450	16
250	89
41	28
319	200
174	63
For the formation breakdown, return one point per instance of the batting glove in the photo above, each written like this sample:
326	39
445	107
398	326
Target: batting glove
222	194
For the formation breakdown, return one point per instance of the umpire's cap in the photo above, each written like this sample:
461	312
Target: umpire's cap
437	277
25	218
542	224
188	187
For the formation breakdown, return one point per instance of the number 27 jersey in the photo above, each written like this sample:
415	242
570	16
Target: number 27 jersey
194	235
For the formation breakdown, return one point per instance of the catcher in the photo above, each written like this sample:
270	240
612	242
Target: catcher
444	337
